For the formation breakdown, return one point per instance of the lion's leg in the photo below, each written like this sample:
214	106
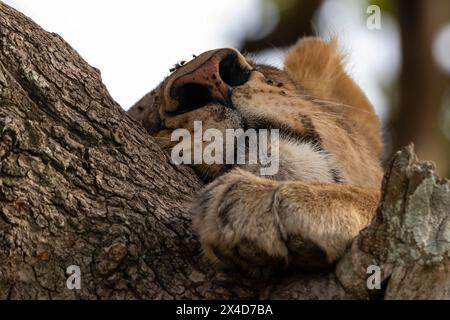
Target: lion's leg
253	222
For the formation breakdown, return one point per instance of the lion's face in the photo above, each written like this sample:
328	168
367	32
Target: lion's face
226	90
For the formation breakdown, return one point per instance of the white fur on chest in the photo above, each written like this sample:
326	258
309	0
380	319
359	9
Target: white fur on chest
300	161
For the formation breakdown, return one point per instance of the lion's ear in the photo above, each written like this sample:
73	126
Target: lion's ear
317	66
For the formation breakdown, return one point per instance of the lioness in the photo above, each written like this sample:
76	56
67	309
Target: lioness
327	187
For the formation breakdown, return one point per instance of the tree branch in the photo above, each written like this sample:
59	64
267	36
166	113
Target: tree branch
409	238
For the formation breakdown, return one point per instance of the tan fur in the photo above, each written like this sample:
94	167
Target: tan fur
327	188
318	67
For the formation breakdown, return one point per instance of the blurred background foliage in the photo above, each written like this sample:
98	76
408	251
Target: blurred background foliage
418	99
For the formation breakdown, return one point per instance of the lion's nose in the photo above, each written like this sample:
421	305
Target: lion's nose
209	78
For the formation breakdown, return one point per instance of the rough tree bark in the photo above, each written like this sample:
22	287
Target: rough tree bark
82	184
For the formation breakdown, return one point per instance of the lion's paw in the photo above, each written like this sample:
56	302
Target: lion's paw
237	225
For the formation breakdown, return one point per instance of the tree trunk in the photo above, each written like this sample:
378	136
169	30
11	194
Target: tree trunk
422	85
82	184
